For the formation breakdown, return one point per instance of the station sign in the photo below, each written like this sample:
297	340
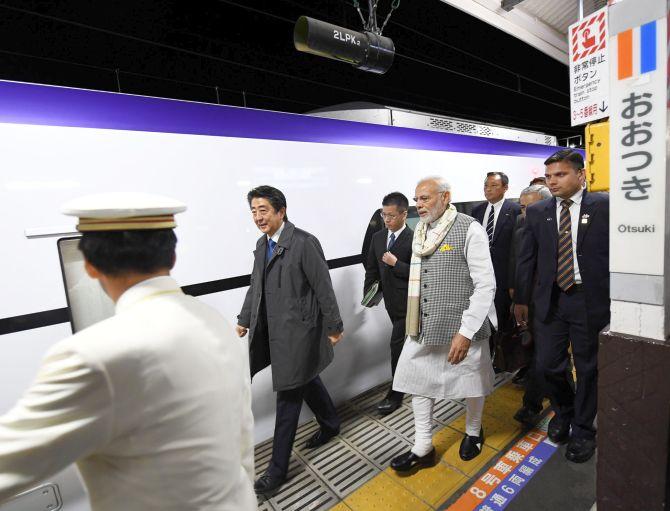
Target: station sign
638	70
589	68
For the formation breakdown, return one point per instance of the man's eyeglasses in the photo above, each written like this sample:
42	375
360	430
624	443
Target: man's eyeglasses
390	217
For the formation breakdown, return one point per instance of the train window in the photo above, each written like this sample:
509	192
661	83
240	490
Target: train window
377	224
466	207
412	217
87	302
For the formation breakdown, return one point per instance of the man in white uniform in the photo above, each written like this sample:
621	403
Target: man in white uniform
449	312
153	403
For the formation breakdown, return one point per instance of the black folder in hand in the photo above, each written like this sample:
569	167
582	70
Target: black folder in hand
373	295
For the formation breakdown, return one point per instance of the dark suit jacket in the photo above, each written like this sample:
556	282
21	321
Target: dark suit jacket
514	250
392	279
502	239
539	250
300	310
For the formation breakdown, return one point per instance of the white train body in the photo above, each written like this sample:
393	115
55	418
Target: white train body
57	144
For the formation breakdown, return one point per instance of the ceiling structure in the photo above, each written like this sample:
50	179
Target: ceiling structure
449	60
542	24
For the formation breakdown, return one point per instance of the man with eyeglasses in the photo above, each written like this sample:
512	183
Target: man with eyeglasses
388	263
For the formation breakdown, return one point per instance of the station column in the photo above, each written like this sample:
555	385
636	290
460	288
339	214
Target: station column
634	358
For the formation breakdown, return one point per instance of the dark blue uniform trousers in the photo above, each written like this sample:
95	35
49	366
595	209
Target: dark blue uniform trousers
567	323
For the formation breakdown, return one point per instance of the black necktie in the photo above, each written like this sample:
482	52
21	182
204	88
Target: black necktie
565	267
391	241
489	226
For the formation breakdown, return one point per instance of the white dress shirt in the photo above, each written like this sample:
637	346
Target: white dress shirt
496	212
574	209
154	405
480	266
397	235
275	236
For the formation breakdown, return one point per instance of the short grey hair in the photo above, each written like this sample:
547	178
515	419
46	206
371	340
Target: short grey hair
442	184
541	190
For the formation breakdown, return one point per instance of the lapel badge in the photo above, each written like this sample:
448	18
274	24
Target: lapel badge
446	247
585	219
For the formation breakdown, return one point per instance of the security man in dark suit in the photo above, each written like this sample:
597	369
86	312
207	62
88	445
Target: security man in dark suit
388	263
498	216
566	245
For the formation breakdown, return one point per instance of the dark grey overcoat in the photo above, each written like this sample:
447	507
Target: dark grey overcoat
301	310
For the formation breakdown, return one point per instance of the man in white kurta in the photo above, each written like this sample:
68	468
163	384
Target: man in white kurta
450	312
153	403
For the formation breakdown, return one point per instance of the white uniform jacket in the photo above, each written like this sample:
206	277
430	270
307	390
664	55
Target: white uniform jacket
154	404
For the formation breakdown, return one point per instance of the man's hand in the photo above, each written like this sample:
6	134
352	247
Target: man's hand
335	338
459	349
241	331
521	314
511	293
389	258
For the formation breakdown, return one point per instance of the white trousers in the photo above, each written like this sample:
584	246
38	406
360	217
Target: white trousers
423	421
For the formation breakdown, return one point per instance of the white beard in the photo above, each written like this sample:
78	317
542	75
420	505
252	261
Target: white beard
433	215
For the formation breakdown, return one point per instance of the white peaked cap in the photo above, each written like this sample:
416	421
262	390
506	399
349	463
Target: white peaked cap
123	211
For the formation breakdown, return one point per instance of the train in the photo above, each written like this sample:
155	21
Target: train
59	143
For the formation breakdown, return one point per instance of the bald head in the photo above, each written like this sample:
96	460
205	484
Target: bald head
432	198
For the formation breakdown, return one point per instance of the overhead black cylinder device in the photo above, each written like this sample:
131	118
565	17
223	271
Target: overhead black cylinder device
365	50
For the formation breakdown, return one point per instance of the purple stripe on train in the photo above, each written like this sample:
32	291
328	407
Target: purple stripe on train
24	103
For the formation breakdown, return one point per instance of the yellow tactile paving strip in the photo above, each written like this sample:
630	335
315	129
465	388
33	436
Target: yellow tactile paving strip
427	489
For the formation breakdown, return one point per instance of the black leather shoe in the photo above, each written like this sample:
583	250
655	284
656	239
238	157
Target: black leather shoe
527	416
388	406
580	449
410	461
471	446
558	430
268	483
320	438
520	376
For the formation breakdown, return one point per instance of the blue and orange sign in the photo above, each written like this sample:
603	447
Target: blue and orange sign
500	484
637	51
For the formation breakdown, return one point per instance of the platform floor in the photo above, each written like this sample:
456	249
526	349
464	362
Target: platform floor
517	470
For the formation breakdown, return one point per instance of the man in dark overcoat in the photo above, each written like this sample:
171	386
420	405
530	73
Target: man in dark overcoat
388	264
293	321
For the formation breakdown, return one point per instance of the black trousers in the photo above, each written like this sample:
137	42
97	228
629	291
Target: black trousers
503	304
397	342
289	404
534	387
567	323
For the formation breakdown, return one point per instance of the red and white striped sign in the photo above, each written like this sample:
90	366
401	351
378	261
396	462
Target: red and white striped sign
589	36
589	68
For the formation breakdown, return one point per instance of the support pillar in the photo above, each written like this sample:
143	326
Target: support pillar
633	465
